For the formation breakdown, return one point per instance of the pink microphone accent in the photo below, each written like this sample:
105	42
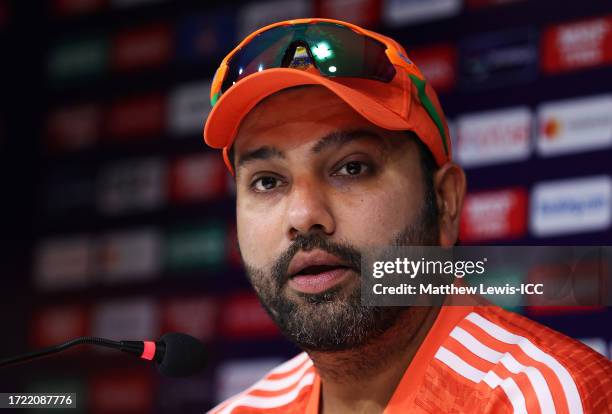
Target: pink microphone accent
149	350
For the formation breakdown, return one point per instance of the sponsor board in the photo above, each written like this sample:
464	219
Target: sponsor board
494	215
438	64
574	125
143	47
195	316
126	319
74	128
53	325
197	178
130	256
258	14
132	185
235	376
244	317
203	36
401	12
78	58
63	263
197	247
498	59
140	117
577	45
189	106
365	13
570	206
494	137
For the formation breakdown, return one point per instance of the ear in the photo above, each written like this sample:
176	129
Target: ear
450	186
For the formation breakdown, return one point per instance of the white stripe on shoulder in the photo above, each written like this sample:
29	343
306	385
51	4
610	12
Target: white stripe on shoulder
283	368
570	389
252	401
540	386
267	384
512	391
293	363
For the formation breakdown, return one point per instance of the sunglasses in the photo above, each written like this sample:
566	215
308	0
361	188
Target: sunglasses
336	49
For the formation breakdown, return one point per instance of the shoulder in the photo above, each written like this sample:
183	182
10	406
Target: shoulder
538	369
284	389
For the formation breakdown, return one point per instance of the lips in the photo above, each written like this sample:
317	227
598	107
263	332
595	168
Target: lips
313	262
316	271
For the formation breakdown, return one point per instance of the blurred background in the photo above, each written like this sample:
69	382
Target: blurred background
119	222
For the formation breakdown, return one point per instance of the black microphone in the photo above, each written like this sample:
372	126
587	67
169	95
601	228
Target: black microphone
176	354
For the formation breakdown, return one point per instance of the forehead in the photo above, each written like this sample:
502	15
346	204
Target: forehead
298	115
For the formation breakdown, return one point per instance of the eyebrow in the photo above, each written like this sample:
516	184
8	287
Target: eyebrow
333	139
261	153
338	138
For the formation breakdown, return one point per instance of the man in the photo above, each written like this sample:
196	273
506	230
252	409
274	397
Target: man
337	143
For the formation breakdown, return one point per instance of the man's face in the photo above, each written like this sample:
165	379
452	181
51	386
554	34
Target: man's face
316	185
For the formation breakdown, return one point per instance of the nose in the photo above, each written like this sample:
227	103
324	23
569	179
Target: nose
308	209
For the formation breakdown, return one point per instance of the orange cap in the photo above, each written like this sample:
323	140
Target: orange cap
397	105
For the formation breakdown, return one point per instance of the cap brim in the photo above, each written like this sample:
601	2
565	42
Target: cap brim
225	118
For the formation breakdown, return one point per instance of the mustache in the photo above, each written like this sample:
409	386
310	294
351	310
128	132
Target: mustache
344	251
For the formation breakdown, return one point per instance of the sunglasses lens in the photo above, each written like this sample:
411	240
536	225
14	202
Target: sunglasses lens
334	49
340	51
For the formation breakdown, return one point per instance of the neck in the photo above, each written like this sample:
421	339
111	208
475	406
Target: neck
364	379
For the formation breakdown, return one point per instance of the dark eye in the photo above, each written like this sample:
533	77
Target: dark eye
264	184
352	168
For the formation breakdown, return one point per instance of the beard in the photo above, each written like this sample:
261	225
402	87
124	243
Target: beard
335	320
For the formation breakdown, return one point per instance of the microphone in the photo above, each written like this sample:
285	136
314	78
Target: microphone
176	354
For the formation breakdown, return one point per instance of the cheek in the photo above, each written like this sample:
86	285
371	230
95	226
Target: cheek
375	217
258	235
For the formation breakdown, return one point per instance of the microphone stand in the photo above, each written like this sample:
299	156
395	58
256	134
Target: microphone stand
132	347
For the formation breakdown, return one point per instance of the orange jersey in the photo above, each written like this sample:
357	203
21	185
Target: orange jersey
475	359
